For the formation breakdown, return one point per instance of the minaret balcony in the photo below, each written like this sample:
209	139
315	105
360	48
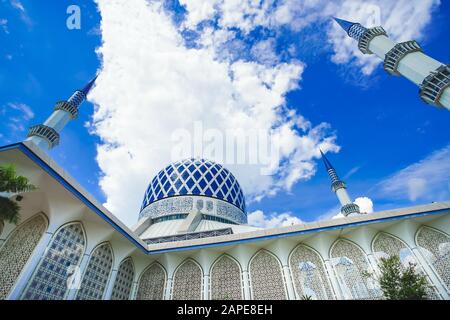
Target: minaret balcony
433	85
47	133
397	53
350	208
68	107
367	36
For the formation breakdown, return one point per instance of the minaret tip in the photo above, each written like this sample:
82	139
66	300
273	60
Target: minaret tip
327	163
88	87
344	24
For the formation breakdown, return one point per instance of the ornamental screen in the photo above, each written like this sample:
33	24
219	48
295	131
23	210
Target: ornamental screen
17	250
97	273
51	279
350	264
310	277
187	284
388	245
152	283
226	281
266	277
124	281
435	246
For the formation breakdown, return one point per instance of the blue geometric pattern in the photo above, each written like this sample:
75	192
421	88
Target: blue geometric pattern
196	177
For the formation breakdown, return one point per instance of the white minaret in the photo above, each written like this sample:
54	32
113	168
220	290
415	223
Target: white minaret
404	59
46	135
339	187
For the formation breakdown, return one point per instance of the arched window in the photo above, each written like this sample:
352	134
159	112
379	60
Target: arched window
226	281
435	246
386	245
152	283
350	264
310	277
266	277
124	281
17	249
97	273
187	284
59	266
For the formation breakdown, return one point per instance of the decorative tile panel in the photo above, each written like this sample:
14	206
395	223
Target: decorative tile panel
16	251
226	281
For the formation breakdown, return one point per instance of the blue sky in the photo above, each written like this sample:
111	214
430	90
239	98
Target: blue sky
390	141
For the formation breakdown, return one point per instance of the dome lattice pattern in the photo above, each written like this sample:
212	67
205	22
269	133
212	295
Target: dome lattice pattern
196	177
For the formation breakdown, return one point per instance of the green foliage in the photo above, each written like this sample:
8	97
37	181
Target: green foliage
400	283
306	297
11	182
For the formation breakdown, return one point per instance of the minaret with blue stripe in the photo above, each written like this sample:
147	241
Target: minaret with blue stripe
46	135
339	187
404	59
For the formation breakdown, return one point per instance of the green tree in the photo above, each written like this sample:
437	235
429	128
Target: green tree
10	182
401	283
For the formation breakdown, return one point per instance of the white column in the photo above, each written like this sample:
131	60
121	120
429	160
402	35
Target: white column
206	287
82	268
134	288
112	280
168	289
289	284
334	281
30	266
246	280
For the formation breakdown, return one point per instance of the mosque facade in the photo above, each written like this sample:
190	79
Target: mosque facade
192	240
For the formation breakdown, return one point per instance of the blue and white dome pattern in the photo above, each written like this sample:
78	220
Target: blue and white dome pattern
196	177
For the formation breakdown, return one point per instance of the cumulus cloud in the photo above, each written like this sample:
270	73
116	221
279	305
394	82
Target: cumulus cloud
259	219
151	88
427	179
403	20
365	204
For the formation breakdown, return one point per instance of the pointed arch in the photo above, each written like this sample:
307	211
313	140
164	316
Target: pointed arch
59	266
349	264
435	247
309	274
188	280
152	283
124	280
97	273
385	244
226	279
266	277
17	250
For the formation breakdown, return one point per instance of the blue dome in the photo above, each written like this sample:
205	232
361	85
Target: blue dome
197	177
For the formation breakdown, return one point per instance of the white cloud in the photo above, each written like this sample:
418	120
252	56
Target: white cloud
4	25
427	179
25	110
365	204
403	20
152	85
16	4
259	219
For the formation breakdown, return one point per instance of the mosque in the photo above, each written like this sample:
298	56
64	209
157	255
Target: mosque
192	240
